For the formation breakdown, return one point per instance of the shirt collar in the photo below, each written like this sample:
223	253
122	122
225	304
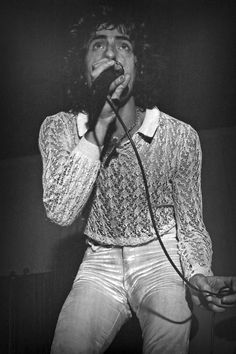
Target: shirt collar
150	122
148	127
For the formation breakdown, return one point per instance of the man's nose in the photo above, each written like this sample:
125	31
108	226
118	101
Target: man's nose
110	51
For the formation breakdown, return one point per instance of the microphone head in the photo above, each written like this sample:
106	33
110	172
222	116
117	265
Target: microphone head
100	89
104	80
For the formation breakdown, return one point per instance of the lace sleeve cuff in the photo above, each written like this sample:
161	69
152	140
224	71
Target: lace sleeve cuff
198	270
90	150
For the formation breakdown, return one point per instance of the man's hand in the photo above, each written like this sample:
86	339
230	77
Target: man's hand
116	88
106	116
217	285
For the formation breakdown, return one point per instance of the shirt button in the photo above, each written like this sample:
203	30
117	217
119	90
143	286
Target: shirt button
115	140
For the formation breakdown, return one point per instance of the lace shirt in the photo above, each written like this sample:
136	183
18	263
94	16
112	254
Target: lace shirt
74	175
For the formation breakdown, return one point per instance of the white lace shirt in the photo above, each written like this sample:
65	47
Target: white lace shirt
74	176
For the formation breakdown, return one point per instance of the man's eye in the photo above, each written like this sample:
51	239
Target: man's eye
98	45
125	46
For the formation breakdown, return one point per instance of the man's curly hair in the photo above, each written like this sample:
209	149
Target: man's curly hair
146	84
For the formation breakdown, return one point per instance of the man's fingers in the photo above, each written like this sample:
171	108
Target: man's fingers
118	91
116	83
216	308
99	68
229	300
100	62
214	284
196	300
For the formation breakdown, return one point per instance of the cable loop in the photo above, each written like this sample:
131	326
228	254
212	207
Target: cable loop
187	282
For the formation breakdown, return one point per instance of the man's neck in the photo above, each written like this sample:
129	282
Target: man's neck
128	115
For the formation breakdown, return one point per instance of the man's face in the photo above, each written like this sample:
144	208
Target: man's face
110	44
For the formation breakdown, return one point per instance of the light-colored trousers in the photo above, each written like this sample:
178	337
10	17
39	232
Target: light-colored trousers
109	282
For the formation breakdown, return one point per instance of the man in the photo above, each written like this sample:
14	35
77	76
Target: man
124	266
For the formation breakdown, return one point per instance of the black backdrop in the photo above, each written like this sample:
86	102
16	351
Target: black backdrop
196	38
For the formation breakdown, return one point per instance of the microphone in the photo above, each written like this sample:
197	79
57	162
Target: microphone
100	90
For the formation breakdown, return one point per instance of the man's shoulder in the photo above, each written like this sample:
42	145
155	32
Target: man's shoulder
58	124
59	118
176	125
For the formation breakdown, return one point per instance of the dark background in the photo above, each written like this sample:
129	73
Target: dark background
195	38
39	259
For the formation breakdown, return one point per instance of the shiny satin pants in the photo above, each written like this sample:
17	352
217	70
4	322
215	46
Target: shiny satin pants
109	282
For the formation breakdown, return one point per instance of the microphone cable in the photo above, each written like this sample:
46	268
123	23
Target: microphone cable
187	282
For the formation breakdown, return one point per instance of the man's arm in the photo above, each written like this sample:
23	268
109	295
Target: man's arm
194	241
70	169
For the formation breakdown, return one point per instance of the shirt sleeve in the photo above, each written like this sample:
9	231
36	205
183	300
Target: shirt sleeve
195	246
70	168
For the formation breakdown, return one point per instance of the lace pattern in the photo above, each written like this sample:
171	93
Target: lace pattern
68	175
119	216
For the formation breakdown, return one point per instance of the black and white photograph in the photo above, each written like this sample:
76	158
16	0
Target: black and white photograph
118	164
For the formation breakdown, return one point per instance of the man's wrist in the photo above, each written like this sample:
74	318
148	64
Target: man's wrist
97	136
196	276
105	121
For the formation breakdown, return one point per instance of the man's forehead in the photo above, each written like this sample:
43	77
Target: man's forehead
109	32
